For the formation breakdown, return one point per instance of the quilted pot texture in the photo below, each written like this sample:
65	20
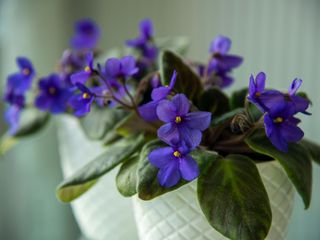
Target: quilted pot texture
102	213
177	215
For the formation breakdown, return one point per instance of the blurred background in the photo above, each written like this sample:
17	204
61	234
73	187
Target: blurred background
279	37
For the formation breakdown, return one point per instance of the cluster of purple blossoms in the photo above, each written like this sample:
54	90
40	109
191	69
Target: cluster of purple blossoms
145	45
17	86
280	109
220	65
182	131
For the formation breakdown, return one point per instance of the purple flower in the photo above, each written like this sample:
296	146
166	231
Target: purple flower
120	68
86	73
281	127
144	41
87	35
81	102
21	81
180	124
296	103
53	96
174	163
148	111
221	61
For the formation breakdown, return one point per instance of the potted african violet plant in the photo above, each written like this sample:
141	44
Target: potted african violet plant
197	163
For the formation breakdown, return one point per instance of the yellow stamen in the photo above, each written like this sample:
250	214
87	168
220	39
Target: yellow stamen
26	71
258	94
87	69
52	90
178	119
177	154
278	120
85	95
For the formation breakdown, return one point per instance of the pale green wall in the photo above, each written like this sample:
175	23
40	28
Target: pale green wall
280	37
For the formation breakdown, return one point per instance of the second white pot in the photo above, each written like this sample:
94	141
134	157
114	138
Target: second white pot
177	215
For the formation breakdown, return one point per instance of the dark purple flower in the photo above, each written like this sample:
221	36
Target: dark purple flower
281	127
221	60
296	103
120	68
181	125
53	96
144	42
87	35
174	163
86	73
21	81
81	102
148	111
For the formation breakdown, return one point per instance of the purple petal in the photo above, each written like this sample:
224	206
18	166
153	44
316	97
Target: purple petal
274	134
188	168
128	65
173	79
160	93
260	81
228	62
166	111
19	83
252	86
42	102
80	77
192	137
181	104
220	44
146	28
148	111
169	134
113	67
161	156
295	86
12	117
198	120
299	104
169	175
291	133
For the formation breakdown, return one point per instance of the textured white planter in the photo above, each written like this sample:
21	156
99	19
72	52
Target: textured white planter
177	215
102	213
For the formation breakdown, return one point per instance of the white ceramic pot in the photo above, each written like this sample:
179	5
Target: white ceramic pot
177	215
102	213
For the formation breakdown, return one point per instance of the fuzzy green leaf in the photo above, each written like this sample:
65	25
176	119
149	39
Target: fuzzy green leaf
238	98
187	80
214	100
127	177
296	162
82	180
233	198
313	148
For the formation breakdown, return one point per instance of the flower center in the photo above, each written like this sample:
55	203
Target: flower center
257	94
87	69
278	120
26	71
177	154
52	90
85	95
178	119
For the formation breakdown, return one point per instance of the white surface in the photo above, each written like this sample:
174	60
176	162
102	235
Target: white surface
177	215
102	213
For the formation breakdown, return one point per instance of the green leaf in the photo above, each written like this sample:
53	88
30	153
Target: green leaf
100	121
127	177
214	100
148	186
238	98
85	178
313	148
6	143
132	124
296	162
187	80
31	122
176	44
233	198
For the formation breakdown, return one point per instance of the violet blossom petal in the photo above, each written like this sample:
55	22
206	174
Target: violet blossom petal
198	120
188	168
169	175
161	156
